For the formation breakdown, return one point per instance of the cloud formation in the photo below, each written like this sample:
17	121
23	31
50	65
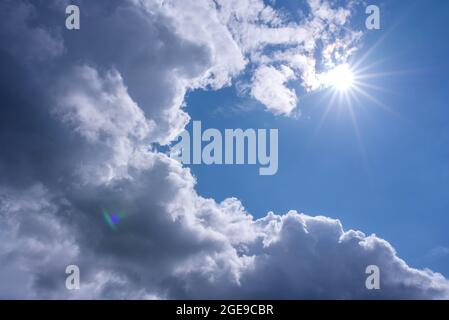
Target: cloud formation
80	112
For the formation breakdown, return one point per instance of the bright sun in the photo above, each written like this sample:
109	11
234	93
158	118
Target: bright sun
341	78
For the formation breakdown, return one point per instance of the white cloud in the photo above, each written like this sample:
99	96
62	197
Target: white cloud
100	110
233	30
322	40
192	247
269	87
199	22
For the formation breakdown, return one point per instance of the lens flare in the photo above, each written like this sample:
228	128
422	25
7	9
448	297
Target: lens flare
112	219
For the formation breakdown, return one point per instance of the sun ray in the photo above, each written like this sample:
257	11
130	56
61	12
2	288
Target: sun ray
373	99
329	107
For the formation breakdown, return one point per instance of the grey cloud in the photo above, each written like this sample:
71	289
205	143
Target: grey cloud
22	38
301	257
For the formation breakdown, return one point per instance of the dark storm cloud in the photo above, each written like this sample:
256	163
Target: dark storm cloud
41	149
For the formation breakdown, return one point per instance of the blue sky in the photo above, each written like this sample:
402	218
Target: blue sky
394	180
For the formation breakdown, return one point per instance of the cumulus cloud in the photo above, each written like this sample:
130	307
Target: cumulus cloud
237	34
100	110
77	129
269	87
299	256
190	247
